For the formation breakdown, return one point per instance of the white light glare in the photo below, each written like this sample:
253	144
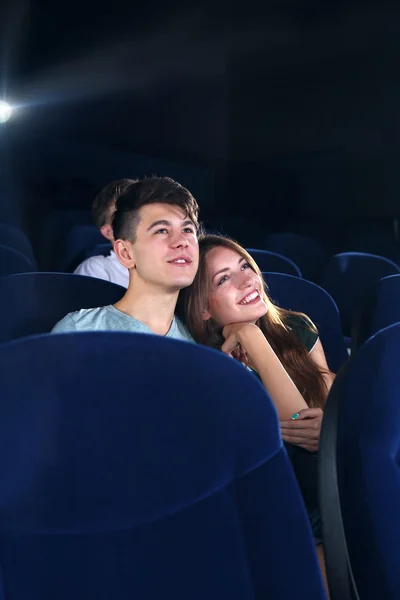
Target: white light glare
5	112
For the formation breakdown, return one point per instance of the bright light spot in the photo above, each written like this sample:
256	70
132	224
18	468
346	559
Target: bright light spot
5	112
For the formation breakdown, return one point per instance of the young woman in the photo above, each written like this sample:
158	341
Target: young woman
227	307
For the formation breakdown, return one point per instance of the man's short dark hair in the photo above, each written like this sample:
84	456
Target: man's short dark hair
103	204
150	190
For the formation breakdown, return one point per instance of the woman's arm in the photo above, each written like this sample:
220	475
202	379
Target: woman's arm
306	429
262	358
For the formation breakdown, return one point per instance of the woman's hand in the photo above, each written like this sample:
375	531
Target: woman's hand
237	337
304	430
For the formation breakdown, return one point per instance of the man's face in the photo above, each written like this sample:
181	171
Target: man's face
165	252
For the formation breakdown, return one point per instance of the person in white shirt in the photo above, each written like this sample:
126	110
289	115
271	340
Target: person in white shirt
106	267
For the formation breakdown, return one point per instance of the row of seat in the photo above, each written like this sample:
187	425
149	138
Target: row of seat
32	303
201	506
347	277
65	234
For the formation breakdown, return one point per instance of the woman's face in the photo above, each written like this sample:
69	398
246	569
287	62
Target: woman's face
236	291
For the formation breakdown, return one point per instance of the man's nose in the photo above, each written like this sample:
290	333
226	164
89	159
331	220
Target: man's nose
179	240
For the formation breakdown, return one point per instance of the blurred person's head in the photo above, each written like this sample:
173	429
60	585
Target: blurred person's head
103	206
155	228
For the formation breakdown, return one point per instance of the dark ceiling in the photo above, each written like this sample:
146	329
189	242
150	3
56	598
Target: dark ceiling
176	78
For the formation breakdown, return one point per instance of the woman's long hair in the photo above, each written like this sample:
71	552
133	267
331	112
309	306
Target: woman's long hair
275	324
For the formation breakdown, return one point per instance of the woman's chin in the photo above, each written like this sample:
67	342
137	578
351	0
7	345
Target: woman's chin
250	314
257	312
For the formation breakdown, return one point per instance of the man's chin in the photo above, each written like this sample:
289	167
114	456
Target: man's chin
182	283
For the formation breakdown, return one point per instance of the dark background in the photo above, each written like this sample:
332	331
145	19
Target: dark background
293	106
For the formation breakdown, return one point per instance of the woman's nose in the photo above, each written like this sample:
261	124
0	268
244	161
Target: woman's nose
245	280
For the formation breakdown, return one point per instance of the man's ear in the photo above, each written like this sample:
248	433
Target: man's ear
107	231
206	315
125	253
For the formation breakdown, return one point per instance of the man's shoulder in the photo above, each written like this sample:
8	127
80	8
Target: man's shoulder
86	319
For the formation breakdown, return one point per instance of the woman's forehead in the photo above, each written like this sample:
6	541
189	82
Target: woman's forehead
221	254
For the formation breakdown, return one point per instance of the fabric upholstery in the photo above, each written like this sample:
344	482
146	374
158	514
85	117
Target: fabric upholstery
306	252
79	239
133	466
303	296
270	261
13	261
381	308
34	302
15	238
368	448
348	277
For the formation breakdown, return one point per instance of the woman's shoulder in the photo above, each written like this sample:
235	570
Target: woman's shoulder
303	328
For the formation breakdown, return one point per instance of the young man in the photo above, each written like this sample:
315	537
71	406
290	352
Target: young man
106	267
155	229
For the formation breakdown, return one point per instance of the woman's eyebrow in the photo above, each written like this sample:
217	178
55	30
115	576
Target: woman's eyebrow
227	268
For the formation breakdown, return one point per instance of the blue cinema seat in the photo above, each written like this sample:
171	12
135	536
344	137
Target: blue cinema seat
33	303
360	474
16	239
135	466
13	261
294	293
306	252
348	277
273	262
381	308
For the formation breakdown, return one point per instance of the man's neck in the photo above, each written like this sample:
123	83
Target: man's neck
153	307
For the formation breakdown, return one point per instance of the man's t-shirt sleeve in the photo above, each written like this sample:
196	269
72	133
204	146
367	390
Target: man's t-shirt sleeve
67	324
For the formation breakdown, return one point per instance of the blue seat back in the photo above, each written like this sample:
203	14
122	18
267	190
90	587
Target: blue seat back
135	464
97	250
380	308
79	239
294	293
366	396
33	303
245	231
15	238
54	232
306	252
13	261
272	262
349	276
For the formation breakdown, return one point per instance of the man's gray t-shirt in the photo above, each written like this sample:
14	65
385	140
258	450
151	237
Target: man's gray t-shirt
109	318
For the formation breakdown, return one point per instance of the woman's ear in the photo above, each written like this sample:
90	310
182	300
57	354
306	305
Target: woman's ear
206	315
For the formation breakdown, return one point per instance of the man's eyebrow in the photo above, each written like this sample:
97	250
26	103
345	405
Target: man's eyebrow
160	222
169	224
241	259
